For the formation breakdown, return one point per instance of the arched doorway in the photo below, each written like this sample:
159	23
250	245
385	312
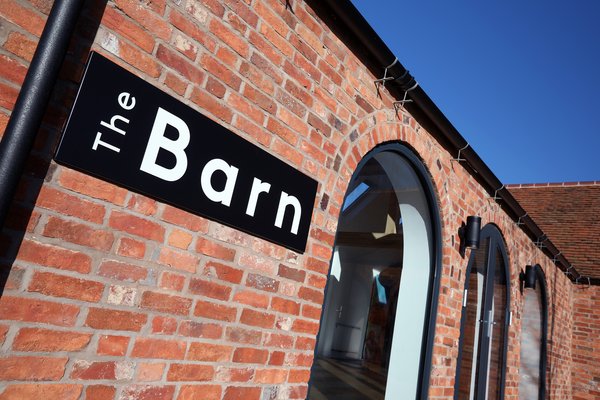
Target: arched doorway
484	322
534	333
376	330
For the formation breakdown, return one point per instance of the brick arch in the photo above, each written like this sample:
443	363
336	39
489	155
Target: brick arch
378	128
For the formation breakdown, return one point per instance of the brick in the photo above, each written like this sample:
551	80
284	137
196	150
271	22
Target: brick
242	335
67	204
12	70
93	187
99	392
244	107
209	289
55	285
20	45
200	330
315	296
291	273
190	373
242	393
180	64
175	83
271	376
250	355
110	345
74	232
285	306
212	249
149	372
215	87
230	38
312	312
35	310
183	261
142	392
221	72
226	374
164	325
145	17
299	376
118	23
192	30
279	340
180	239
288	152
136	226
32	368
205	392
222	272
158	348
257	318
261	282
36	391
3	331
24	17
86	370
54	257
303	326
172	281
46	340
184	219
131	248
142	205
251	298
100	318
208	352
166	303
121	271
215	311
8	96
277	358
210	105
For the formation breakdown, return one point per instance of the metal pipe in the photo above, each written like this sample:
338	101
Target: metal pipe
359	36
26	117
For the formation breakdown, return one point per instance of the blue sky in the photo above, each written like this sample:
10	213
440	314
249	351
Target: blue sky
519	80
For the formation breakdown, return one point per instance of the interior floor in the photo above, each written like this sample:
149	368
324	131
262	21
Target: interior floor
334	379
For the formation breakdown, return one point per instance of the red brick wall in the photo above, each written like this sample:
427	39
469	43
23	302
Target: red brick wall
586	343
110	294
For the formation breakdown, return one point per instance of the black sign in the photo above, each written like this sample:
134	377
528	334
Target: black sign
124	130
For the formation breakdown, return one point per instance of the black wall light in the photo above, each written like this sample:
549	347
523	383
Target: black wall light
529	277
472	231
469	234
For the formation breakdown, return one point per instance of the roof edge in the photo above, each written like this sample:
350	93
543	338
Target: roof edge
359	36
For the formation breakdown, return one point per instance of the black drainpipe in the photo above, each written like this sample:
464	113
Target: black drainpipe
358	35
33	98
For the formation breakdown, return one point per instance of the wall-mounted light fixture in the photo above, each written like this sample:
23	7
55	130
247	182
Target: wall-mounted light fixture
472	231
529	277
469	234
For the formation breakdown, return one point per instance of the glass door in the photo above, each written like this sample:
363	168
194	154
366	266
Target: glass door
485	318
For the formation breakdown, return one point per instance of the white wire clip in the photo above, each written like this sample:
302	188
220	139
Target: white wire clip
540	241
458	159
568	270
496	198
399	105
555	258
519	222
382	81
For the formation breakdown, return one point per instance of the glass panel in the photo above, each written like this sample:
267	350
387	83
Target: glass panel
371	266
531	344
467	385
497	337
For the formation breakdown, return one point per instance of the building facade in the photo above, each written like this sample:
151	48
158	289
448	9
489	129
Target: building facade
109	293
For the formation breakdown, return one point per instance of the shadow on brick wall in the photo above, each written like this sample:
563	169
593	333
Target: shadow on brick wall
22	217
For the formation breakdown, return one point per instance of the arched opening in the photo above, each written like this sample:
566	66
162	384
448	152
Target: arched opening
377	328
484	322
534	333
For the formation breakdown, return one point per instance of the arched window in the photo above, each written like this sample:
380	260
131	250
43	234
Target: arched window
376	331
534	331
484	322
